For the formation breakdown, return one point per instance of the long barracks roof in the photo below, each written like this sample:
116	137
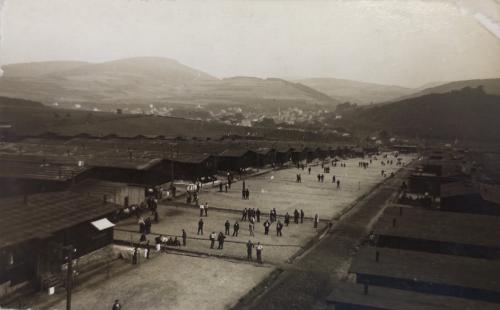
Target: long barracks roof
44	214
39	171
454	227
431	268
388	298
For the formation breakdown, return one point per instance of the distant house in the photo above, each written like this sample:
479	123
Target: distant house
265	156
122	194
283	155
190	166
236	158
20	175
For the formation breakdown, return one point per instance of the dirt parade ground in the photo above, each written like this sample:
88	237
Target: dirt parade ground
198	277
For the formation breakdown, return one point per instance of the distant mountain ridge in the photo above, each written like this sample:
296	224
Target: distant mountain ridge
356	92
147	80
489	86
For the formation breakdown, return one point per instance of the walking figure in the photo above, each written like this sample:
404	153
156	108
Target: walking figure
184	237
200	227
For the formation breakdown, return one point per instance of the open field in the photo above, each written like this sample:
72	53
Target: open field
172	282
279	190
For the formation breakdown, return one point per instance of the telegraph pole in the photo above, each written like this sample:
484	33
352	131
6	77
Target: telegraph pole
69	275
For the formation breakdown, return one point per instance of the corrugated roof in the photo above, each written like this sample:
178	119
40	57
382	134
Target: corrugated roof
45	214
454	227
432	268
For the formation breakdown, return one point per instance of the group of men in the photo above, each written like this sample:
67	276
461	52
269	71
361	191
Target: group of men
245	194
251	213
220	239
258	250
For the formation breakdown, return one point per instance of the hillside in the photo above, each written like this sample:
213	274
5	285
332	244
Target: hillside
144	81
32	119
355	92
490	86
468	114
40	68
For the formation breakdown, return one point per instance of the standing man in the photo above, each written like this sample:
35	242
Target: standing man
258	215
227	226
250	245
287	219
259	249
206	208
202	208
266	227
251	229
200	227
221	240
316	220
184	237
296	216
301	216
212	239
244	215
279	227
236	228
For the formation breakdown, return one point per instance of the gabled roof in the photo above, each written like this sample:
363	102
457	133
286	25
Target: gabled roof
235	152
45	214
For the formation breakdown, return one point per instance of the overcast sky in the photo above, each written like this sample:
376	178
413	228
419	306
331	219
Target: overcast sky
406	43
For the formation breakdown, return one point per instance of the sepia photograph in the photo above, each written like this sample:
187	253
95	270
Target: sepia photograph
250	154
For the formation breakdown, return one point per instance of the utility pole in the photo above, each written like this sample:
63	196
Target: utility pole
69	275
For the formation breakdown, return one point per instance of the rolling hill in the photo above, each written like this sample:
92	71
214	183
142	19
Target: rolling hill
466	114
490	86
356	92
39	68
145	81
